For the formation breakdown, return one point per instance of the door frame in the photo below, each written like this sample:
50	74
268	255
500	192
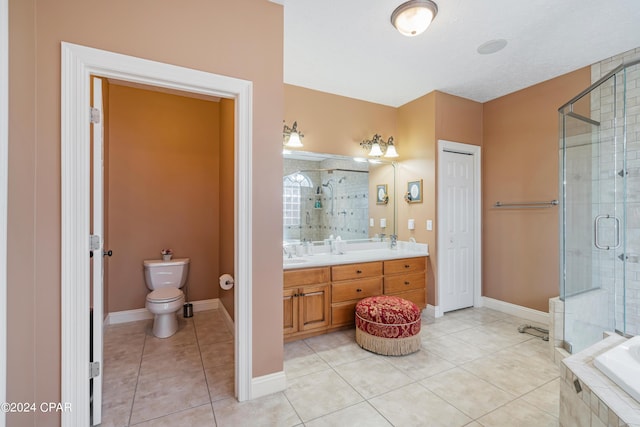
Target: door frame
475	150
4	196
78	64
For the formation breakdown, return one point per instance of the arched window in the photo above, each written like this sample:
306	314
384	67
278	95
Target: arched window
291	199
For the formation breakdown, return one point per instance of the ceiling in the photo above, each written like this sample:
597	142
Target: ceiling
350	48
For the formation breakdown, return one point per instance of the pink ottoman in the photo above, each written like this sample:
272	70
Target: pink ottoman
388	325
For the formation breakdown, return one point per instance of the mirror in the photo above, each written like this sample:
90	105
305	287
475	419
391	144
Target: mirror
330	195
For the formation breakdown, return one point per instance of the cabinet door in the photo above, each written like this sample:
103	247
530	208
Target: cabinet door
290	308
314	307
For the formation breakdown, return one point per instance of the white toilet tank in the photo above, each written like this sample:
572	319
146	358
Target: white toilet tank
166	274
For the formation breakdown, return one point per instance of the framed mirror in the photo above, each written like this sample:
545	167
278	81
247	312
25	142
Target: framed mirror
331	195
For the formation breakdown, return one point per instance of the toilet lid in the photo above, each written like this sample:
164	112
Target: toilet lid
164	295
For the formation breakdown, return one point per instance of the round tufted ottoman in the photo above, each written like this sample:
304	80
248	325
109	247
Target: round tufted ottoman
388	325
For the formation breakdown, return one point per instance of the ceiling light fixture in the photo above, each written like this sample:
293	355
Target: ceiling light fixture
378	147
413	17
291	136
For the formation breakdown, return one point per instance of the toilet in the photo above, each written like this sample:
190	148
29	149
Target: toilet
164	279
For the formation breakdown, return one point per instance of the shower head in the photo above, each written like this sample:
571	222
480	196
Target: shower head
344	178
328	183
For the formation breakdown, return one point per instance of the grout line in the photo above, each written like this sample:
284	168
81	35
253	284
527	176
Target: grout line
204	371
135	389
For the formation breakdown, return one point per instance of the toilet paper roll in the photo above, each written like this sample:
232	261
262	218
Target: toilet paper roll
226	281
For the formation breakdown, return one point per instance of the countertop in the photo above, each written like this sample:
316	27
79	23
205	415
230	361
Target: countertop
354	254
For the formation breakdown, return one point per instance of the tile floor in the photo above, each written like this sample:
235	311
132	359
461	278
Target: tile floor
474	369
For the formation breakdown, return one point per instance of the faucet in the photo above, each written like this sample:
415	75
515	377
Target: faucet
285	252
394	241
382	236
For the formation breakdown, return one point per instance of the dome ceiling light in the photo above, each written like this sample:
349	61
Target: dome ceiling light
413	17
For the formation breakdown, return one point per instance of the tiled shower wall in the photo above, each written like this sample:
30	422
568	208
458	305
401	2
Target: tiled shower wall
622	280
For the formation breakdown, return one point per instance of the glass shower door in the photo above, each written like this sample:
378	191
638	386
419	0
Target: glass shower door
592	157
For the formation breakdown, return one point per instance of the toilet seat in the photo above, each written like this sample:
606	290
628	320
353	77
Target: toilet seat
164	295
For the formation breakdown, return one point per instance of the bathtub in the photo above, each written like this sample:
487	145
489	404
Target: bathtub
622	365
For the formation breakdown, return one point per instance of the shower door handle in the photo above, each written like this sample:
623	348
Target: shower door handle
596	229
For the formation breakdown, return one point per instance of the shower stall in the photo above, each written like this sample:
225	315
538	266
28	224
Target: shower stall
600	212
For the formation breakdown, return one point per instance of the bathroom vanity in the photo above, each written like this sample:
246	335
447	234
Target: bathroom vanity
321	292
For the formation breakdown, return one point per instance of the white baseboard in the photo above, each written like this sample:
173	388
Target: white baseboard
268	384
516	310
144	314
227	318
434	310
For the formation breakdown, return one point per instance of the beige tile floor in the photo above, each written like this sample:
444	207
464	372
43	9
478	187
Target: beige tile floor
474	369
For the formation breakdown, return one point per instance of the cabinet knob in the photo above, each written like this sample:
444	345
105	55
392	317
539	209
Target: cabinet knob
407	282
407	266
359	271
358	290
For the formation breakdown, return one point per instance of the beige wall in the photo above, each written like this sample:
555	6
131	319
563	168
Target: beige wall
335	124
422	123
199	34
416	130
164	190
520	163
23	382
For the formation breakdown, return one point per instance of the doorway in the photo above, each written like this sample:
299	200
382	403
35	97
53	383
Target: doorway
459	226
78	64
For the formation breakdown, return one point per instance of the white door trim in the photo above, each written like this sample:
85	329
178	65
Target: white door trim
78	63
4	152
477	218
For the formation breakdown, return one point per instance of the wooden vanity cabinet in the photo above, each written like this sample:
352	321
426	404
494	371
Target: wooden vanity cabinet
349	284
306	302
323	299
407	278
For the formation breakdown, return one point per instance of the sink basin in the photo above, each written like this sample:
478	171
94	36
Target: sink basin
289	261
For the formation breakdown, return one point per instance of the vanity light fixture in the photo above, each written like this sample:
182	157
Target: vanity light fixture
414	16
291	136
378	147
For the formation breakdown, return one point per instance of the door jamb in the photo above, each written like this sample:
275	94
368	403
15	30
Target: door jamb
78	63
477	215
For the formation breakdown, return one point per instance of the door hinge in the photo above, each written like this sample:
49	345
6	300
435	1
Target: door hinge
94	242
95	115
94	369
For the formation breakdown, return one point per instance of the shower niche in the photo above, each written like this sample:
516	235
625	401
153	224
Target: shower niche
328	195
600	209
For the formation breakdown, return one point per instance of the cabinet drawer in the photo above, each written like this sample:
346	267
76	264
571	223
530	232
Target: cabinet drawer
306	276
343	313
356	271
356	289
404	282
417	296
407	265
